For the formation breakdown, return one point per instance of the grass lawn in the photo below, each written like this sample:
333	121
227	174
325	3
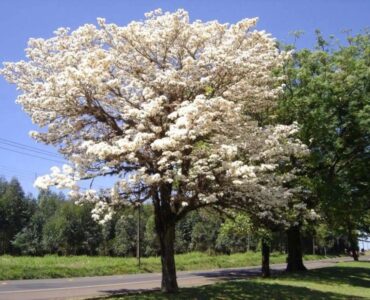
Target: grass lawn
50	266
343	281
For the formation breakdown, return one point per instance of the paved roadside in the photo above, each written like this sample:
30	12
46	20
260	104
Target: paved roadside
87	287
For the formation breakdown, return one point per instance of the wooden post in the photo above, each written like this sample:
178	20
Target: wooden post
313	245
138	254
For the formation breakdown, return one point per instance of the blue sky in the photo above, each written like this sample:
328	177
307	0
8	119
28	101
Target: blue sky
20	20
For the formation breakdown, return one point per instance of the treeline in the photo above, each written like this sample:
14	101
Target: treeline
50	224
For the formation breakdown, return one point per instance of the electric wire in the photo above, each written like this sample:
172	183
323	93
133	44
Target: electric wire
37	153
27	147
32	155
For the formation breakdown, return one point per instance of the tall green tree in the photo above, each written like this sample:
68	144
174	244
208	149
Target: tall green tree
29	240
327	92
15	212
235	234
72	231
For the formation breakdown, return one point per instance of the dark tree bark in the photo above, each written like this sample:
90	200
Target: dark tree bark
169	280
295	259
265	258
353	244
354	254
165	221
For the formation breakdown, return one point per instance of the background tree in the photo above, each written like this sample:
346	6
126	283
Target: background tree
205	232
30	239
235	235
125	241
15	211
152	247
72	231
327	91
184	232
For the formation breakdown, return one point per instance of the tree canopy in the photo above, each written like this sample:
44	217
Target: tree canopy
327	91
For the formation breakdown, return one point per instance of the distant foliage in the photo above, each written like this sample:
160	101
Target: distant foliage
54	225
16	210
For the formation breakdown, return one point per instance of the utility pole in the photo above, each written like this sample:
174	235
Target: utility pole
138	236
313	244
248	242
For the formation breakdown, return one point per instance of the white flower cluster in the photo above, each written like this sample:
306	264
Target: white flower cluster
62	179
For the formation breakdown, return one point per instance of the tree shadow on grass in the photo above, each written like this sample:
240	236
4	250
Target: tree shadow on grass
230	274
237	290
354	276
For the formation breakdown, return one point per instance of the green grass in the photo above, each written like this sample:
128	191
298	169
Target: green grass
342	281
50	266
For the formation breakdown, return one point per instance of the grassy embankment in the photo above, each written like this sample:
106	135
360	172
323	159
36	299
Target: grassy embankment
342	281
26	267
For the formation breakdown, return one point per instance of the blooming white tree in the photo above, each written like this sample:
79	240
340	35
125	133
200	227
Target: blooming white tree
163	104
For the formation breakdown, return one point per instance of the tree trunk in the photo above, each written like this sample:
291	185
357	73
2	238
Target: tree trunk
165	228
265	258
167	239
295	260
355	255
353	244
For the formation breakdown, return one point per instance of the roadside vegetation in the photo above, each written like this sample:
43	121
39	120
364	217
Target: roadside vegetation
52	266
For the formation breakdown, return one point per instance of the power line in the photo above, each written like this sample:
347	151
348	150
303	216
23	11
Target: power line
32	155
29	175
30	150
42	153
28	178
26	147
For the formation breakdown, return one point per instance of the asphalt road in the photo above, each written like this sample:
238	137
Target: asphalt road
87	287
